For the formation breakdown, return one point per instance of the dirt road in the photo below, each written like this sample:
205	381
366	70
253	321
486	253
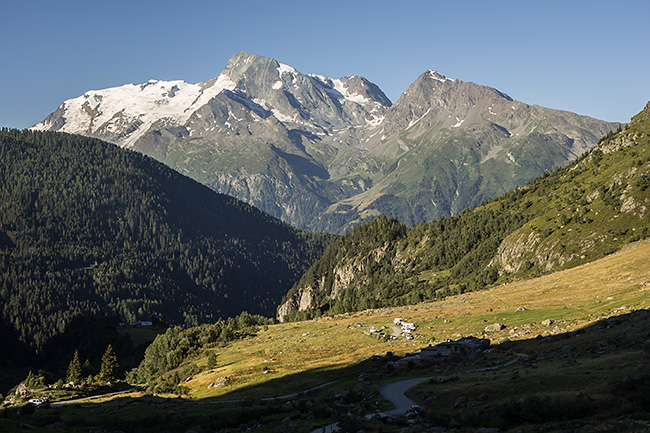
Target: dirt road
394	392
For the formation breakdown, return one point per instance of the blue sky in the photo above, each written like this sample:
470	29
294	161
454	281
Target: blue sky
589	57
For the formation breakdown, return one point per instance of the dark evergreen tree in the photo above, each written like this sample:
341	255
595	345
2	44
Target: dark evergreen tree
108	370
74	369
212	360
34	381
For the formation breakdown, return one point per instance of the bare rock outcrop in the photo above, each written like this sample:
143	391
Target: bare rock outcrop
303	299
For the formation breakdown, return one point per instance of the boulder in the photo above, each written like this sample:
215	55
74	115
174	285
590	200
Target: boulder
495	327
222	381
444	379
504	341
460	401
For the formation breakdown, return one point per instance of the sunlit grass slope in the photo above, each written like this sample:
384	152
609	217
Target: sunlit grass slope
278	360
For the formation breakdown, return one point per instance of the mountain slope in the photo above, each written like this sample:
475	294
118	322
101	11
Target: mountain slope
326	154
87	228
569	217
261	131
449	145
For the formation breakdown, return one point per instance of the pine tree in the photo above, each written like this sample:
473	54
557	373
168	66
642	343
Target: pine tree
212	360
108	370
74	369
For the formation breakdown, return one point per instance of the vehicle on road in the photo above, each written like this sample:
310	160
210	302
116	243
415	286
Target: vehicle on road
413	410
39	402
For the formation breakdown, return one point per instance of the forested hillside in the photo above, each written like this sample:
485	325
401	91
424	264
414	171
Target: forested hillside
565	218
89	228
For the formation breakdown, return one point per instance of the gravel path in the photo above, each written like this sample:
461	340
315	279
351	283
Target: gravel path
394	392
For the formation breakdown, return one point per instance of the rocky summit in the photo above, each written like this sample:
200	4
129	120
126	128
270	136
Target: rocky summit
327	154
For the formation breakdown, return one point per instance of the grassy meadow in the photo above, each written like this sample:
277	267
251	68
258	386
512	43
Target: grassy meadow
589	371
269	363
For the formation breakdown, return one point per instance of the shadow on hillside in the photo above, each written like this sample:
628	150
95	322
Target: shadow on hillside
610	335
294	385
573	380
299	398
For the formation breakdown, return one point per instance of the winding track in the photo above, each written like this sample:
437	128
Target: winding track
394	392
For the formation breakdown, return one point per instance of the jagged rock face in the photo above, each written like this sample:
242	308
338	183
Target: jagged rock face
326	154
452	145
344	276
511	251
303	300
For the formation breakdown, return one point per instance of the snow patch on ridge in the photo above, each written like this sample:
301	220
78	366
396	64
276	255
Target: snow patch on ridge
413	122
340	87
375	120
322	79
282	68
283	117
438	76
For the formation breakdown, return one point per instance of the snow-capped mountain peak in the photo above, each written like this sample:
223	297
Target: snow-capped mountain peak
325	153
128	111
258	84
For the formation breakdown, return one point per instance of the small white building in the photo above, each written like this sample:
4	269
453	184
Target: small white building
408	327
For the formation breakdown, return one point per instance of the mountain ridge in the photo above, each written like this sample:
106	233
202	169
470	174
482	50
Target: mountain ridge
325	154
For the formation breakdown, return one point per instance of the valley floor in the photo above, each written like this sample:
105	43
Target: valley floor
584	336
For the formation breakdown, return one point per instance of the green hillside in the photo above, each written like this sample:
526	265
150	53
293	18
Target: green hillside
87	228
571	216
575	359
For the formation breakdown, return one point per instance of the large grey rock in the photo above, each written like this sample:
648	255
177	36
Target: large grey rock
221	381
460	401
495	327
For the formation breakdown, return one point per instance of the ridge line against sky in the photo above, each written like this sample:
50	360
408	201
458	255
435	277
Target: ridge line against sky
589	57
